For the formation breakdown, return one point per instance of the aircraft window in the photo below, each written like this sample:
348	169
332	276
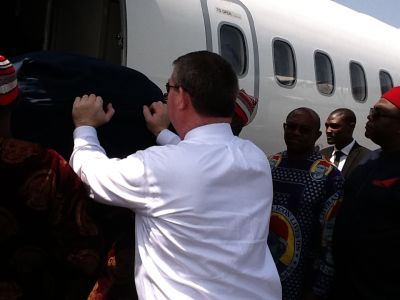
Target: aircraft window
358	82
324	73
284	63
386	81
233	48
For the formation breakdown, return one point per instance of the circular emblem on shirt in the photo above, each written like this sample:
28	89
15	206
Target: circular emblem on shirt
39	190
284	240
275	160
330	212
320	169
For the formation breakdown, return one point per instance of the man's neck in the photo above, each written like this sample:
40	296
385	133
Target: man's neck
393	147
198	122
342	145
299	155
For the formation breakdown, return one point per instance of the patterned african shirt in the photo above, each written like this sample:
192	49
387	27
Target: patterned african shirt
50	247
307	194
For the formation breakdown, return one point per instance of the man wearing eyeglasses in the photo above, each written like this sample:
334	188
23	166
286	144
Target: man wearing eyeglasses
345	153
367	231
307	193
203	205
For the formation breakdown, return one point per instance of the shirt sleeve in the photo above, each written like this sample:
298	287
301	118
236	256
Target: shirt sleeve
167	137
117	182
324	264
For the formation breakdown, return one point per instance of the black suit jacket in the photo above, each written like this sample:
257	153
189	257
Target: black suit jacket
357	154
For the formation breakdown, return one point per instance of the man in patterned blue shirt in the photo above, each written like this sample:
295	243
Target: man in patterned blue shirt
307	193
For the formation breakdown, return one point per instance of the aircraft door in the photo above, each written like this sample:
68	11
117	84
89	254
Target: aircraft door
230	32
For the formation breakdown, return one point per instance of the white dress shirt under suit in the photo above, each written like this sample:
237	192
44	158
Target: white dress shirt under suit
346	151
202	213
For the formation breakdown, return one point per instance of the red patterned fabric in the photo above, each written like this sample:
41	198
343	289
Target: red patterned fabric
50	247
116	278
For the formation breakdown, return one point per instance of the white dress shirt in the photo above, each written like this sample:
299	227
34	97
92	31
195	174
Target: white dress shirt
202	213
346	151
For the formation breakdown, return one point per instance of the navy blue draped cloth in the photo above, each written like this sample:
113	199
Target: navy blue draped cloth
50	81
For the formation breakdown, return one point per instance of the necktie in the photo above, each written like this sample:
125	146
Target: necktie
338	155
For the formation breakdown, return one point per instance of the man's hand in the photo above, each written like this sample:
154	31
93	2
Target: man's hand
88	110
156	116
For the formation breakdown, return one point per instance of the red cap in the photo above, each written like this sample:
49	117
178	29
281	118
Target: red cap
393	95
8	82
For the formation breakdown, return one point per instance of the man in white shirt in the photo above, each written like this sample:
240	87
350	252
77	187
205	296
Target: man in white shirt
202	206
345	153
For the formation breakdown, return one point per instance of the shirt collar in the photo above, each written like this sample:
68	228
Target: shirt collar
211	133
345	150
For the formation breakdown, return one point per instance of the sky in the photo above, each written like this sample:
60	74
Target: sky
384	10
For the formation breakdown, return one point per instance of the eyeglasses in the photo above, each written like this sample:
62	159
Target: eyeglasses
168	87
377	113
301	128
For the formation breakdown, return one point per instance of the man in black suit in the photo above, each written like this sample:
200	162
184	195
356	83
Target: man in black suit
367	227
345	153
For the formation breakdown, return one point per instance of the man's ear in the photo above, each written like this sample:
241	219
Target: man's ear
319	134
184	100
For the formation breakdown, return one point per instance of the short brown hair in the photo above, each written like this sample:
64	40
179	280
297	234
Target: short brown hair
210	80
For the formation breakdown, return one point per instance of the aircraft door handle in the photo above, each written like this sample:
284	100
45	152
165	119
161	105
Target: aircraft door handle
120	40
